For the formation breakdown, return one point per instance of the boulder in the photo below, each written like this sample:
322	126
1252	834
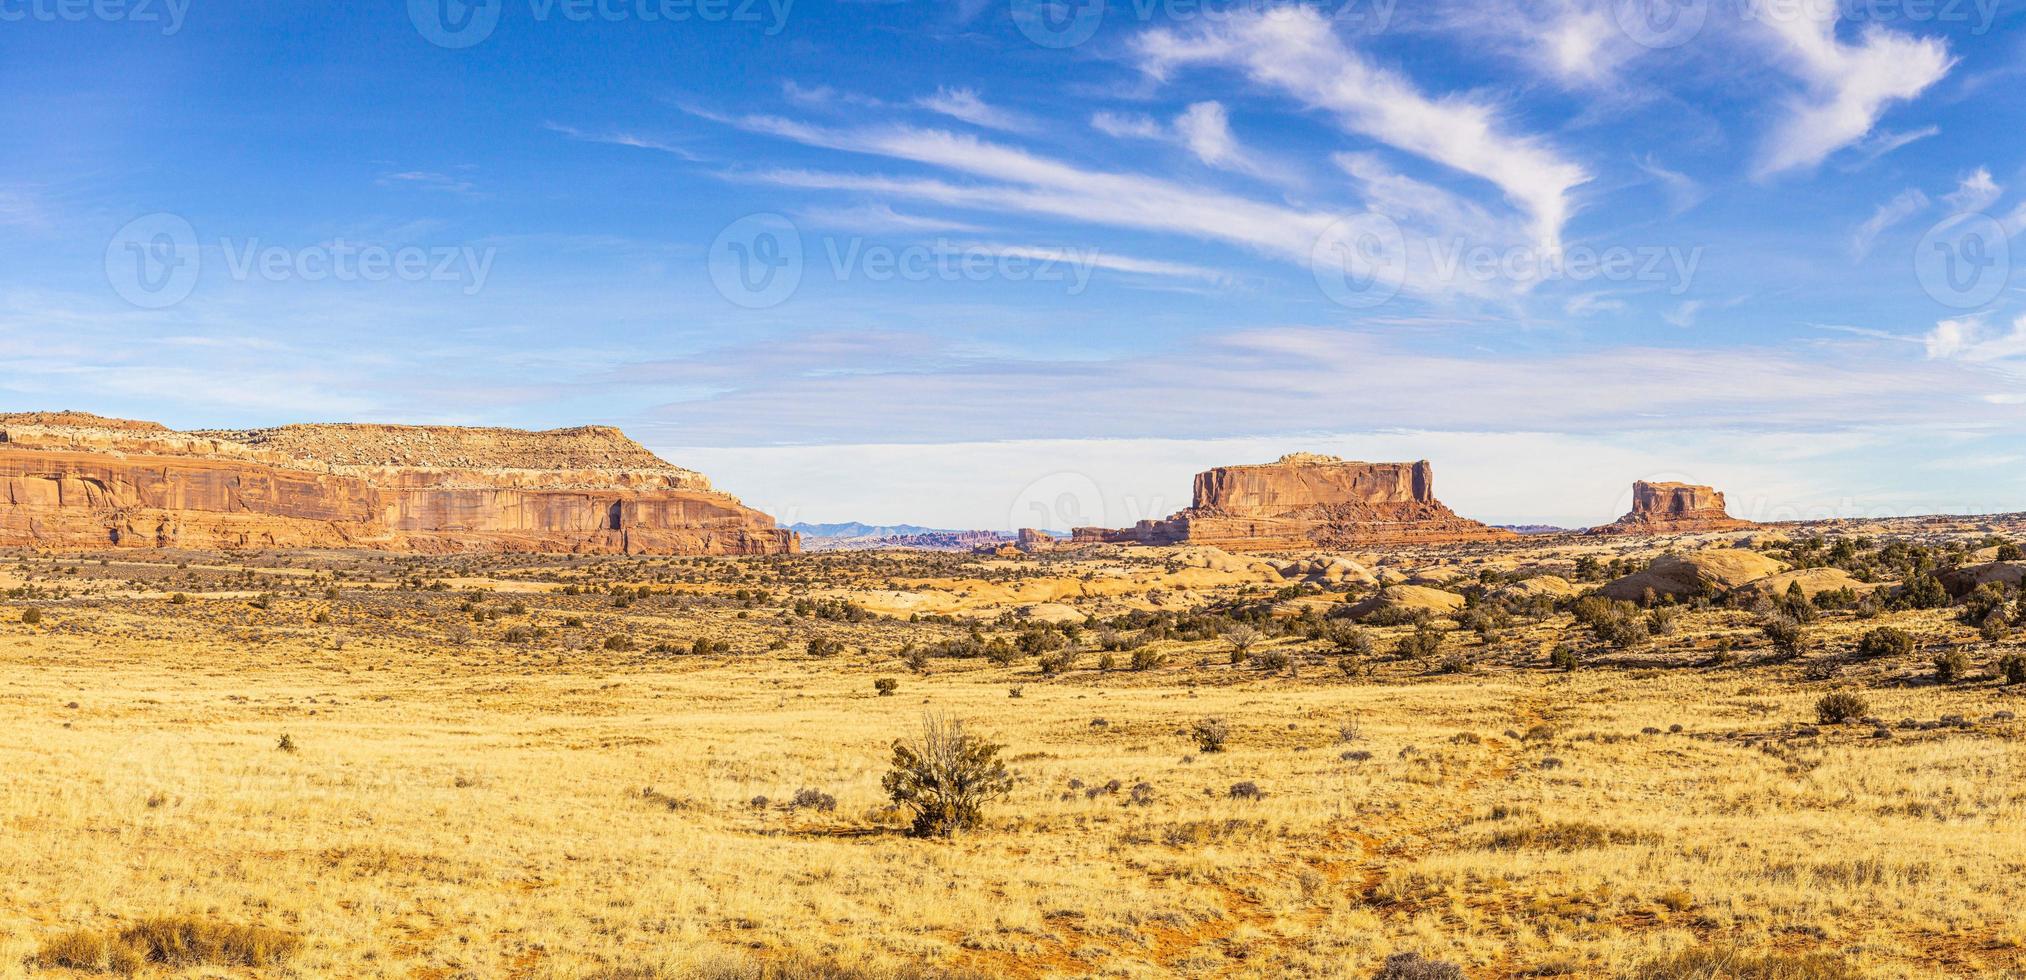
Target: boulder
1813	582
1964	579
1408	598
1551	586
1711	570
1052	613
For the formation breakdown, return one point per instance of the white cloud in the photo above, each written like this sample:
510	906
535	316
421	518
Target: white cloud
964	104
1848	86
1971	340
874	218
1128	125
1683	315
1974	193
1590	304
1032	184
1683	193
1206	129
1295	50
1096	259
1903	206
622	139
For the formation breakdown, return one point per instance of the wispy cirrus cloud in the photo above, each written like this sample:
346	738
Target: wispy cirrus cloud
1974	192
1846	86
1904	205
964	104
623	138
1295	50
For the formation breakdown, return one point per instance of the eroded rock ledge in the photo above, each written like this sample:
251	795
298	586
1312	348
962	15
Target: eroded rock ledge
72	480
1673	508
1305	500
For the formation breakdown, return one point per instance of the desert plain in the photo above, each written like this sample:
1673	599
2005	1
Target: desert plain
361	763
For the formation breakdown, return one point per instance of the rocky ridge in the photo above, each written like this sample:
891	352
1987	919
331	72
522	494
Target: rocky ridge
73	480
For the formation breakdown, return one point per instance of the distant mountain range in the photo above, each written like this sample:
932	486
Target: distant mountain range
857	536
1533	528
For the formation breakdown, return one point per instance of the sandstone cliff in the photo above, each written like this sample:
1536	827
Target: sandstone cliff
70	480
1303	501
1673	508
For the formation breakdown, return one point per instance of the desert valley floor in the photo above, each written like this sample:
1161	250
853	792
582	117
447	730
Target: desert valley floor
365	764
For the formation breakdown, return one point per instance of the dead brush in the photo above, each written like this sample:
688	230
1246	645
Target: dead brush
175	941
1564	836
1734	963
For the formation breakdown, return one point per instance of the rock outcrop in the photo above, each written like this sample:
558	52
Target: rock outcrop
1673	508
1711	571
1408	600
1304	501
70	480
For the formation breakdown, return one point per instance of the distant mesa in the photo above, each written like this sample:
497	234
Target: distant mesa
74	480
1306	500
1673	508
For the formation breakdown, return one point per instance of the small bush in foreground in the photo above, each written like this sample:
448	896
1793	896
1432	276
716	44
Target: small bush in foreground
2013	667
1210	734
1841	707
946	777
1413	966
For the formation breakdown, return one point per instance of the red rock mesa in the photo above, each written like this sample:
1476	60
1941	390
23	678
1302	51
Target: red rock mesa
1303	501
1672	508
71	480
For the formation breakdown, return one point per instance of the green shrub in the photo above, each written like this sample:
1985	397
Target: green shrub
2013	667
1885	641
886	686
1841	707
1951	666
946	777
1210	734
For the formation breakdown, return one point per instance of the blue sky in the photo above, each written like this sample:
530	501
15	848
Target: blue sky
1001	263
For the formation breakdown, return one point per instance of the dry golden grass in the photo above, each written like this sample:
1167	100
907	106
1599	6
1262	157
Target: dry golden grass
480	808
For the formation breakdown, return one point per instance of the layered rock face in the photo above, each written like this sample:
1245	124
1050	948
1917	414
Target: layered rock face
69	480
1304	501
1673	508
